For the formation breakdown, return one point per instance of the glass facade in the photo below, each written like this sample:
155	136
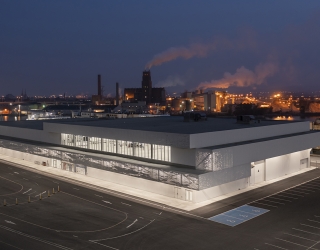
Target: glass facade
143	150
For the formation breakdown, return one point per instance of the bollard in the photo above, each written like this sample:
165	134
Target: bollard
29	199
53	191
4	202
40	198
16	201
48	193
58	188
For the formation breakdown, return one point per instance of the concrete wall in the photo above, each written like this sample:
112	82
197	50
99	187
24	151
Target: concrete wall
246	134
31	134
285	164
183	156
213	192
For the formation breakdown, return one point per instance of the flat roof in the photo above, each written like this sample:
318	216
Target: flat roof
170	124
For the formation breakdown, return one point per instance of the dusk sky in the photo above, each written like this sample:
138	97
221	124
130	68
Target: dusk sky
52	47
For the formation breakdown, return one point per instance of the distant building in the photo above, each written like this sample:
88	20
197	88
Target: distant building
146	93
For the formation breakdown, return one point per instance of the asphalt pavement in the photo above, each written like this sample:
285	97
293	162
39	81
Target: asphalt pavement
75	216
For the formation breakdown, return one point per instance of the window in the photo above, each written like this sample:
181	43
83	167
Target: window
142	150
125	147
161	152
94	143
81	141
109	145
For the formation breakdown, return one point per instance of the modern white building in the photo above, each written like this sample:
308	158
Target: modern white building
193	161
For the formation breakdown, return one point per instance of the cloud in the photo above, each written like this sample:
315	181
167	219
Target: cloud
171	81
243	77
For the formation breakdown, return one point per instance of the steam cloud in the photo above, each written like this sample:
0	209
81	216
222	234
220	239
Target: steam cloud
194	50
243	77
171	81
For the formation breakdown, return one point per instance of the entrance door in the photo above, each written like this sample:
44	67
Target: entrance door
178	193
251	180
259	171
304	163
189	195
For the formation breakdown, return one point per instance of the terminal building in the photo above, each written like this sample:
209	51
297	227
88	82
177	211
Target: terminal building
192	161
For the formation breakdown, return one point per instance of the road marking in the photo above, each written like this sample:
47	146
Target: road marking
125	234
276	246
107	202
103	245
55	182
10	222
141	217
278	199
16	172
306	189
98	195
14	183
35	238
75	236
27	191
25	179
309	226
294	194
158	213
132	223
317	216
41	193
300	237
274	201
304	231
76	188
262	204
126	204
297	191
287	196
314	221
293	243
11	245
37	184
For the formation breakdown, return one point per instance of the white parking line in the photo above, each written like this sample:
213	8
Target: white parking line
299	237
126	204
261	204
76	188
294	194
271	197
314	221
305	189
290	197
98	195
25	179
294	243
107	202
274	201
304	231
276	246
297	191
132	223
103	245
309	226
316	216
312	187
27	190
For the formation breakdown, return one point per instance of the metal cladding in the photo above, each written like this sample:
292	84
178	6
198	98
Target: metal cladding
99	86
117	94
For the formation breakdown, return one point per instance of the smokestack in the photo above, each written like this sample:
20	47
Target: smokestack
99	86
117	94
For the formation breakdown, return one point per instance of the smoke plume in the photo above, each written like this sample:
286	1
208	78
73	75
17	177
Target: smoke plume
194	50
171	81
243	77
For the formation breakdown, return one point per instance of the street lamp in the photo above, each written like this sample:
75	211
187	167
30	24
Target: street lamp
19	110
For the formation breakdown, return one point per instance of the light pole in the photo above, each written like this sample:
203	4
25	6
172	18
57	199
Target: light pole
19	110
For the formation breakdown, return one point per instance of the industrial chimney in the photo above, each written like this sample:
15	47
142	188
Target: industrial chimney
99	86
117	94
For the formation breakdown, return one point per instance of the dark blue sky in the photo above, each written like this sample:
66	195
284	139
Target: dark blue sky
51	47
